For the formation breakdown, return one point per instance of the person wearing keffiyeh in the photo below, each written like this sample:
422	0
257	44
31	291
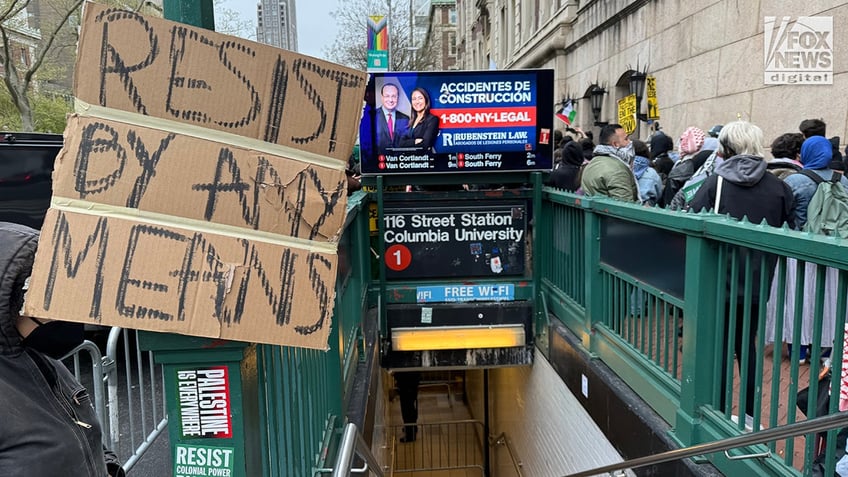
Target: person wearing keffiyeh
691	142
609	172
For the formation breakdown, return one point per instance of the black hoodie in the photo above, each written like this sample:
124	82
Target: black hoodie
48	425
748	191
566	174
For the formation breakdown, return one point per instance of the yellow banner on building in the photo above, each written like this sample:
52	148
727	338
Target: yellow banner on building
653	106
627	113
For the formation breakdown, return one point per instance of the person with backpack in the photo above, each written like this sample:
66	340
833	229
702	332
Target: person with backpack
820	209
816	154
705	163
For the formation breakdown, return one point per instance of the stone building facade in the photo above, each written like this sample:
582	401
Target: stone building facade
708	57
441	34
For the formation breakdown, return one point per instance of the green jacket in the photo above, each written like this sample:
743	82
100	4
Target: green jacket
607	175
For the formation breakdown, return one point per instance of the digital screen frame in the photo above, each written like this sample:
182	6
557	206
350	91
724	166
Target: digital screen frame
478	121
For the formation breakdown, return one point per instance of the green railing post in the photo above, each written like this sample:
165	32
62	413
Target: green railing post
381	248
540	319
361	250
199	13
208	409
699	337
594	278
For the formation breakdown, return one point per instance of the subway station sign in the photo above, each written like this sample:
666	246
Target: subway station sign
453	241
455	293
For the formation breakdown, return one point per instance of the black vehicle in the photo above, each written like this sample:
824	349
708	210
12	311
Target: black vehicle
26	186
26	168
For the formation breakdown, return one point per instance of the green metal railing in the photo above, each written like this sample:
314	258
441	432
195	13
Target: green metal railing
302	391
624	279
649	291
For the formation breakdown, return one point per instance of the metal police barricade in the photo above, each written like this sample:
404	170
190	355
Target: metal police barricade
135	397
93	380
128	393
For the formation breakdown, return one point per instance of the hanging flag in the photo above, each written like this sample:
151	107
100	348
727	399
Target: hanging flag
567	113
378	43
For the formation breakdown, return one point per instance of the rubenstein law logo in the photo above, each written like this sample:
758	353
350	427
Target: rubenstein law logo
799	52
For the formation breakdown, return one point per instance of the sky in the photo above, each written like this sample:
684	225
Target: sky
315	28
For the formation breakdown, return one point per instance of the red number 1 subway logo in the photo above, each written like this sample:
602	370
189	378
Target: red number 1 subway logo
204	403
398	257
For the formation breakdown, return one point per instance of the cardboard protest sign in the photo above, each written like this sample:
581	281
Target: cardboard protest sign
125	165
174	71
202	191
627	113
121	272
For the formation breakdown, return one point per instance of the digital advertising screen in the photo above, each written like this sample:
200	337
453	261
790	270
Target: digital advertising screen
458	121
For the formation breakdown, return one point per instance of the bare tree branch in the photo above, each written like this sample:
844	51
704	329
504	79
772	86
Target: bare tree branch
13	9
19	74
56	50
45	47
230	22
13	82
350	45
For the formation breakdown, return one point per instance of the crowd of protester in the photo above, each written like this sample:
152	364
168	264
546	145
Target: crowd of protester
725	170
668	174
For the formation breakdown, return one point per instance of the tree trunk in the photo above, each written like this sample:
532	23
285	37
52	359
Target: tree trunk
27	121
18	92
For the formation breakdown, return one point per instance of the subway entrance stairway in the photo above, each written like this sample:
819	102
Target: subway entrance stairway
533	424
452	440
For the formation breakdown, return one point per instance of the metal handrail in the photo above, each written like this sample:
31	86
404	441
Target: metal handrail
815	425
502	439
352	444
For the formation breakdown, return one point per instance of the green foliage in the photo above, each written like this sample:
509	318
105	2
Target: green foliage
10	118
57	22
49	110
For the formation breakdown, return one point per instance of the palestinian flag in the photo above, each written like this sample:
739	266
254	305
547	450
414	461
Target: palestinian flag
567	113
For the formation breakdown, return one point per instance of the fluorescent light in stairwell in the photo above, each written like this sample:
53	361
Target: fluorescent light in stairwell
457	337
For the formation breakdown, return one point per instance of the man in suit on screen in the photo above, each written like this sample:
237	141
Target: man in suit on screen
391	123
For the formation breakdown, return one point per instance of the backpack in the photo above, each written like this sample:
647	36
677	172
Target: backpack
828	210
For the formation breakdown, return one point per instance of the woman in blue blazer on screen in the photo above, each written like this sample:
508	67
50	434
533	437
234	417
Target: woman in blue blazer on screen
423	125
